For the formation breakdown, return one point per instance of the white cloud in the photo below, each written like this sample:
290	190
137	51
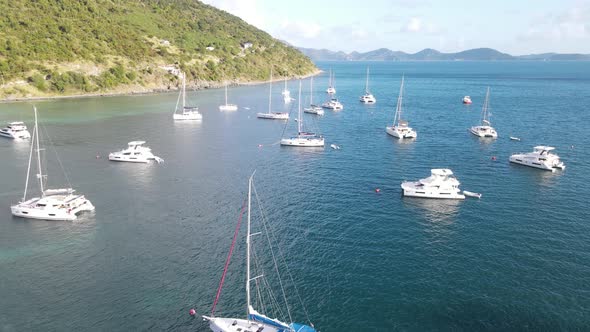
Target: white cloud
568	27
414	25
300	29
247	10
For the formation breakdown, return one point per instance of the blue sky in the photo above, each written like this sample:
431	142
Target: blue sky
516	27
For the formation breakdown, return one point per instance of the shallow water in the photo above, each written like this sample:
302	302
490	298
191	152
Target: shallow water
362	261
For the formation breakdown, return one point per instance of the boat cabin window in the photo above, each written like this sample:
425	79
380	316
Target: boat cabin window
126	153
136	153
39	204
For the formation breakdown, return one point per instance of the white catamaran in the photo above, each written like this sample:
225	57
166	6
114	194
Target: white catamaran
368	97
331	89
186	112
313	109
257	321
227	106
400	128
303	139
53	204
485	129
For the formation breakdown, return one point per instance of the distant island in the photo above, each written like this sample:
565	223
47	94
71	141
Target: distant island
477	54
69	47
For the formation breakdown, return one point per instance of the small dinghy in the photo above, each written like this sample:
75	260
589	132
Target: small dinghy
471	194
514	138
335	147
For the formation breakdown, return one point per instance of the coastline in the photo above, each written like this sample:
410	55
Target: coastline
200	86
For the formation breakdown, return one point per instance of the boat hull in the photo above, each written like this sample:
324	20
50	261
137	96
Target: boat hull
29	211
16	136
273	116
484	132
192	116
303	142
228	107
535	163
317	111
401	134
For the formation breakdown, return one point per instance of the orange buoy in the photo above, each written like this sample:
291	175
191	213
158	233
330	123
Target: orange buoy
377	190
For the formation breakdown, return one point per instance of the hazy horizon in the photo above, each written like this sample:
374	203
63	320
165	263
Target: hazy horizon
516	28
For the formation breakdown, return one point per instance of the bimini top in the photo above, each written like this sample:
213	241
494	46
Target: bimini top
441	171
16	123
135	143
542	148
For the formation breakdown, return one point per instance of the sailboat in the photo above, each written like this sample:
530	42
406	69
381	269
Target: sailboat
53	204
485	129
304	139
313	109
227	106
256	321
400	128
186	112
331	89
286	93
368	97
270	114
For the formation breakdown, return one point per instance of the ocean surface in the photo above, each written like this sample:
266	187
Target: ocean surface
517	259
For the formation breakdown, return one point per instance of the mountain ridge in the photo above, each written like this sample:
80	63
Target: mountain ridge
429	54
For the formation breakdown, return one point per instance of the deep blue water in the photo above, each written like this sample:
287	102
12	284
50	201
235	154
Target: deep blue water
518	259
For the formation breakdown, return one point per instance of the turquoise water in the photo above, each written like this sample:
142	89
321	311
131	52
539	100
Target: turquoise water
363	261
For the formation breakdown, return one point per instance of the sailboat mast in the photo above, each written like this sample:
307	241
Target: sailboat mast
40	174
226	93
398	109
485	120
299	113
248	248
270	92
183	91
367	83
310	92
30	160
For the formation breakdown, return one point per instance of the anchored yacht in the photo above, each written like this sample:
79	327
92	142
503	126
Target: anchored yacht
52	204
185	112
303	139
440	184
313	108
368	97
135	153
333	104
485	129
331	89
16	131
400	128
541	157
272	115
227	106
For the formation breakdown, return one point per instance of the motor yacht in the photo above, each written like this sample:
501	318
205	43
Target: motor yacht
467	100
16	131
440	184
541	158
485	130
135	152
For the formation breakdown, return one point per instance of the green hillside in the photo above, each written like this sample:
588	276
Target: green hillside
61	47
